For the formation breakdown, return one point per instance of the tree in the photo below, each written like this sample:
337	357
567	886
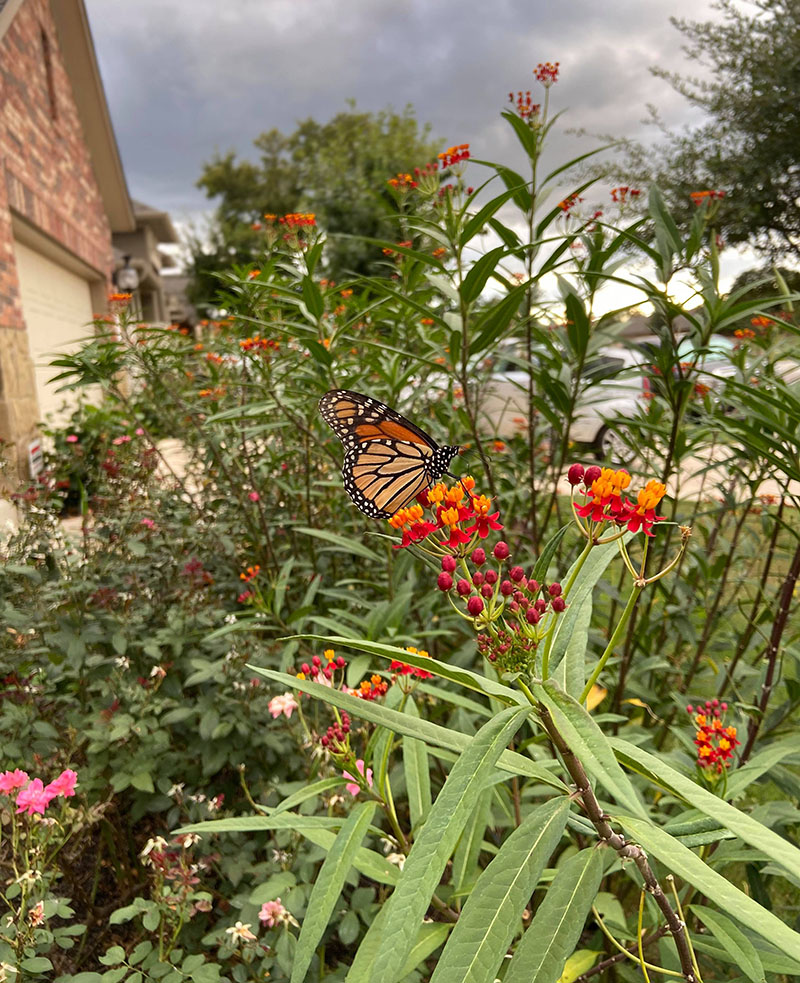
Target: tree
750	147
338	170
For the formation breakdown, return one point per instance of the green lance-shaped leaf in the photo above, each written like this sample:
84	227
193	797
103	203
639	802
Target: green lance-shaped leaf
341	543
557	925
465	868
328	886
437	839
318	829
739	823
733	940
569	622
475	280
491	915
417	773
681	861
401	723
475	681
590	744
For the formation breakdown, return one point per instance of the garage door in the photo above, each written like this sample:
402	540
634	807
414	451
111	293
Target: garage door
57	307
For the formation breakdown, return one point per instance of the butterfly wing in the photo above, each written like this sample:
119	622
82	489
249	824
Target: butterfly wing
382	476
358	419
388	460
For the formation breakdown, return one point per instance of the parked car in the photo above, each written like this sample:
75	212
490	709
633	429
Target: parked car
619	382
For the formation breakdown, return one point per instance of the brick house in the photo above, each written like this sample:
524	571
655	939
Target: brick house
62	196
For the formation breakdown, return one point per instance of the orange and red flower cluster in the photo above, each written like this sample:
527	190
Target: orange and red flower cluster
258	343
456	512
604	488
402	182
524	105
402	669
715	742
370	689
698	197
569	202
292	219
621	194
454	155
546	73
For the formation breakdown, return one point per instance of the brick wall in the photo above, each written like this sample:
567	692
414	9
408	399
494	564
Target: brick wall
45	176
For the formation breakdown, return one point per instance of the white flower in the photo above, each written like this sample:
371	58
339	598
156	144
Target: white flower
158	843
158	672
240	933
399	859
176	790
188	840
122	662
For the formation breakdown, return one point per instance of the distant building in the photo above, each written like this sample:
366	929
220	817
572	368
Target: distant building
140	248
63	198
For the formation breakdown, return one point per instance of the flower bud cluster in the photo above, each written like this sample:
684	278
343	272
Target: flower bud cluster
509	609
335	738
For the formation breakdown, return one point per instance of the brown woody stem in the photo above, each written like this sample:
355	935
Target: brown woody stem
626	851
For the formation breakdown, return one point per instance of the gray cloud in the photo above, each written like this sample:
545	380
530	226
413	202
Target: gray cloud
187	78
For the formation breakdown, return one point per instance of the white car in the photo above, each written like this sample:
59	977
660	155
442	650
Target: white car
617	386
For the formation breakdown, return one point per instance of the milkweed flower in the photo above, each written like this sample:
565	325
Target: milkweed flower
716	743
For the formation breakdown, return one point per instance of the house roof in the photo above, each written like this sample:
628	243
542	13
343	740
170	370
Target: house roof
159	221
77	51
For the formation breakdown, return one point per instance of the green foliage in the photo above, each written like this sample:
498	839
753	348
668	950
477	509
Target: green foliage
748	88
388	784
338	170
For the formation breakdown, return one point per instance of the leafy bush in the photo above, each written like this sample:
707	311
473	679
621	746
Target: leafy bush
532	787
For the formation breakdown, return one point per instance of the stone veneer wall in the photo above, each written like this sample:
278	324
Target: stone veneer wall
46	178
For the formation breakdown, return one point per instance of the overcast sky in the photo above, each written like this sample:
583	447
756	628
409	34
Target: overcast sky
187	78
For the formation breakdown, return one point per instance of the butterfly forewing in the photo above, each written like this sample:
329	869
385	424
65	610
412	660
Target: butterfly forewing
389	460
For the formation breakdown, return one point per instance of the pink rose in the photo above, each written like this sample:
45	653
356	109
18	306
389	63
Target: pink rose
33	798
10	780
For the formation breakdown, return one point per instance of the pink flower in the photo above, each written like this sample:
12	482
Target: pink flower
72	438
63	785
353	787
34	798
139	432
10	780
284	704
121	440
148	523
273	913
254	496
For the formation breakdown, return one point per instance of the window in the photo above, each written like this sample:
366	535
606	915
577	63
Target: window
48	68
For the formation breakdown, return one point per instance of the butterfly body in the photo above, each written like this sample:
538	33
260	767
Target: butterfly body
388	460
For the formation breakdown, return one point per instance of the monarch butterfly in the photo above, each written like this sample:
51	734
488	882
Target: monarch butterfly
388	460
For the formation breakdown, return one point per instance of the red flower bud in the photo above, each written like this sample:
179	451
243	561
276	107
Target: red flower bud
591	474
444	582
689	708
541	605
464	587
516	573
486	590
559	604
554	590
449	564
533	586
491	576
306	668
532	616
575	474
475	606
506	588
501	551
478	556
340	663
477	578
316	661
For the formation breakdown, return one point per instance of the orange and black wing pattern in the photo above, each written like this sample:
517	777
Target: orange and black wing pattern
388	460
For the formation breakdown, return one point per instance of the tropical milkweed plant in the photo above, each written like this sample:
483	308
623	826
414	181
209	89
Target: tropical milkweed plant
592	775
